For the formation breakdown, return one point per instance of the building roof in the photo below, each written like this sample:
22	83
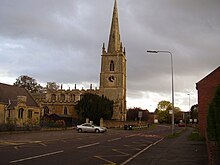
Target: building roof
54	115
214	74
114	43
9	93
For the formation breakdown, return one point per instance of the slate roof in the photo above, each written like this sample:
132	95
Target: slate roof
9	92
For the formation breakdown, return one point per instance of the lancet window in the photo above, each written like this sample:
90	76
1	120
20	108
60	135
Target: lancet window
112	66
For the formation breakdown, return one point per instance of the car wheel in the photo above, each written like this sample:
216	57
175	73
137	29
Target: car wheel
80	130
97	130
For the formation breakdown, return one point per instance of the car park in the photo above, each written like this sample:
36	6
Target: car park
87	127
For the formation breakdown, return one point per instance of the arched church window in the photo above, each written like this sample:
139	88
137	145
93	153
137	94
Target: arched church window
81	96
46	110
112	66
62	97
20	113
65	111
53	97
73	97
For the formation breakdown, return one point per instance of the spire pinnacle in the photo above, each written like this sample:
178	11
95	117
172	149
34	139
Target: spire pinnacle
114	37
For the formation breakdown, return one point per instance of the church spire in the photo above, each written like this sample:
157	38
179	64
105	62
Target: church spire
114	37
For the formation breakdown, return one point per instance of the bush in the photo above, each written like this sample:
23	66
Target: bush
10	125
213	118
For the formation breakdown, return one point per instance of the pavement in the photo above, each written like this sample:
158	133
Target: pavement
174	151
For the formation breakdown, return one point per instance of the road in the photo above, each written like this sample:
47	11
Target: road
69	147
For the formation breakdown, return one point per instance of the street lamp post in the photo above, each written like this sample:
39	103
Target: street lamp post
189	100
189	106
172	81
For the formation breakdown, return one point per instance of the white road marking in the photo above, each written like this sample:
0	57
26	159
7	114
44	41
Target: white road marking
14	143
108	161
43	144
16	147
35	157
134	156
89	145
35	141
123	153
132	135
114	139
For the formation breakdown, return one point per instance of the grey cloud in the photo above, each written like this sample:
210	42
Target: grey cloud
61	41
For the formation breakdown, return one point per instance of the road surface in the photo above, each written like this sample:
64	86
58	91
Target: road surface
69	147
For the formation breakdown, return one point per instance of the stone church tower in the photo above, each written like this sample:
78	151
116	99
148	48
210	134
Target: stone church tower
113	70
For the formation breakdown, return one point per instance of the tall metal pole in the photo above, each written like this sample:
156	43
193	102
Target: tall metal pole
172	81
189	105
189	100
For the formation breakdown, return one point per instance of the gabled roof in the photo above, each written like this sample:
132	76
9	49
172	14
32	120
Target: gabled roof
9	93
214	74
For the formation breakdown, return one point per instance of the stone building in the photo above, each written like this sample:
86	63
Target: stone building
61	102
206	89
113	70
17	105
112	80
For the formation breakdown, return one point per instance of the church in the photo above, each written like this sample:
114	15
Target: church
112	80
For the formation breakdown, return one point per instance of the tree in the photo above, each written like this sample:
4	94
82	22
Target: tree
94	107
162	111
194	112
52	86
163	114
213	118
164	105
178	115
29	83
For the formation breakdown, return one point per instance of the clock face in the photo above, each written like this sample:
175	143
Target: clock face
111	78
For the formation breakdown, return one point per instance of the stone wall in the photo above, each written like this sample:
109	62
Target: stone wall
120	124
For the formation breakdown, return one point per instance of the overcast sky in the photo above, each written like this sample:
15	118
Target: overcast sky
61	41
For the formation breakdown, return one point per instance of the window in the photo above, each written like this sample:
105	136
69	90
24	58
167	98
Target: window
62	97
53	97
73	97
112	66
46	110
20	113
81	96
30	112
65	110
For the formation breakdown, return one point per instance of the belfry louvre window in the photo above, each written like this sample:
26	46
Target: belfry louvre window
112	66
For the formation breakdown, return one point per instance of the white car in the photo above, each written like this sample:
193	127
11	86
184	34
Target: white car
87	127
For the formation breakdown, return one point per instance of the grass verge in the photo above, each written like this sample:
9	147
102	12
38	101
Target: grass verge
194	136
176	134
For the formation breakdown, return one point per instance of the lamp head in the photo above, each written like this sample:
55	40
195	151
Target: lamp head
152	51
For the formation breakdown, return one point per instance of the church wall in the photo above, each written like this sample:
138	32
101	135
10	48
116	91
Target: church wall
2	109
58	100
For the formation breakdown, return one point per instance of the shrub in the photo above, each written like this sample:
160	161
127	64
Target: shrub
213	118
